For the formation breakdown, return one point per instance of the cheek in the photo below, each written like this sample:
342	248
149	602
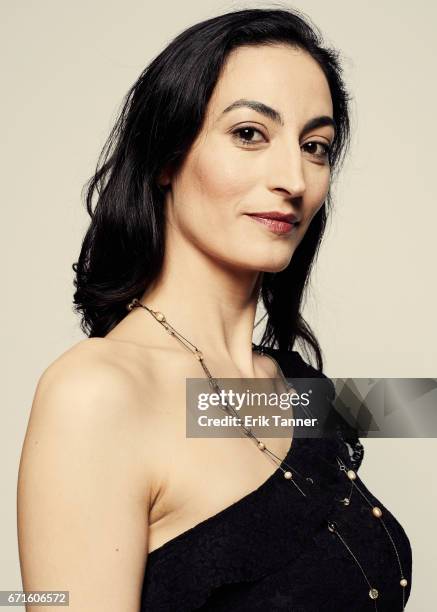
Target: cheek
317	191
218	179
209	193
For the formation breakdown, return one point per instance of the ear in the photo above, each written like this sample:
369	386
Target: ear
165	177
163	180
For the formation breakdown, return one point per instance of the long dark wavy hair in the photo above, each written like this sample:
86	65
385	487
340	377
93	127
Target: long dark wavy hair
161	115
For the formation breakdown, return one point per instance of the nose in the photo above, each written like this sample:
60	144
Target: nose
286	173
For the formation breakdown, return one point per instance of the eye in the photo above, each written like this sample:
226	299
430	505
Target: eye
313	144
244	135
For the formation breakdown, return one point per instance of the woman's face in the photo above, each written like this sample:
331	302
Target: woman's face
249	160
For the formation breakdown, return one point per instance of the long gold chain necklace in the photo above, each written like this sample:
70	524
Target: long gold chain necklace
288	472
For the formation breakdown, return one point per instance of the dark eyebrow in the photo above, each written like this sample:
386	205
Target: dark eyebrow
276	116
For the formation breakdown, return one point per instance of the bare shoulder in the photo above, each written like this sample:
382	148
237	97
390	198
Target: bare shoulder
98	389
98	368
90	361
85	483
92	390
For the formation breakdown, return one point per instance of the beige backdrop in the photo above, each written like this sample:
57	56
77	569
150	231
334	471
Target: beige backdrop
66	67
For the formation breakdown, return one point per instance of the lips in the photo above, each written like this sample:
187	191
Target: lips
277	216
276	222
277	226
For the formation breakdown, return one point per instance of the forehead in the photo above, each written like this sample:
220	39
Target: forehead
281	76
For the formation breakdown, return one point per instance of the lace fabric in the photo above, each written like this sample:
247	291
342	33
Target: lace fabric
271	550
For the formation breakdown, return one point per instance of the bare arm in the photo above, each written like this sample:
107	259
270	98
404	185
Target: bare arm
83	491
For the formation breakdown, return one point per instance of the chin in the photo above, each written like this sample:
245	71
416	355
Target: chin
261	260
273	268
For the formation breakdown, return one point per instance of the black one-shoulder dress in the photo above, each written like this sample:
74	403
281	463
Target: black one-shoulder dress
277	550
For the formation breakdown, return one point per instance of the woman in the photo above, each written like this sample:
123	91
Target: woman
212	192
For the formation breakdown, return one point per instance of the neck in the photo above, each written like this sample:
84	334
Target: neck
212	304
